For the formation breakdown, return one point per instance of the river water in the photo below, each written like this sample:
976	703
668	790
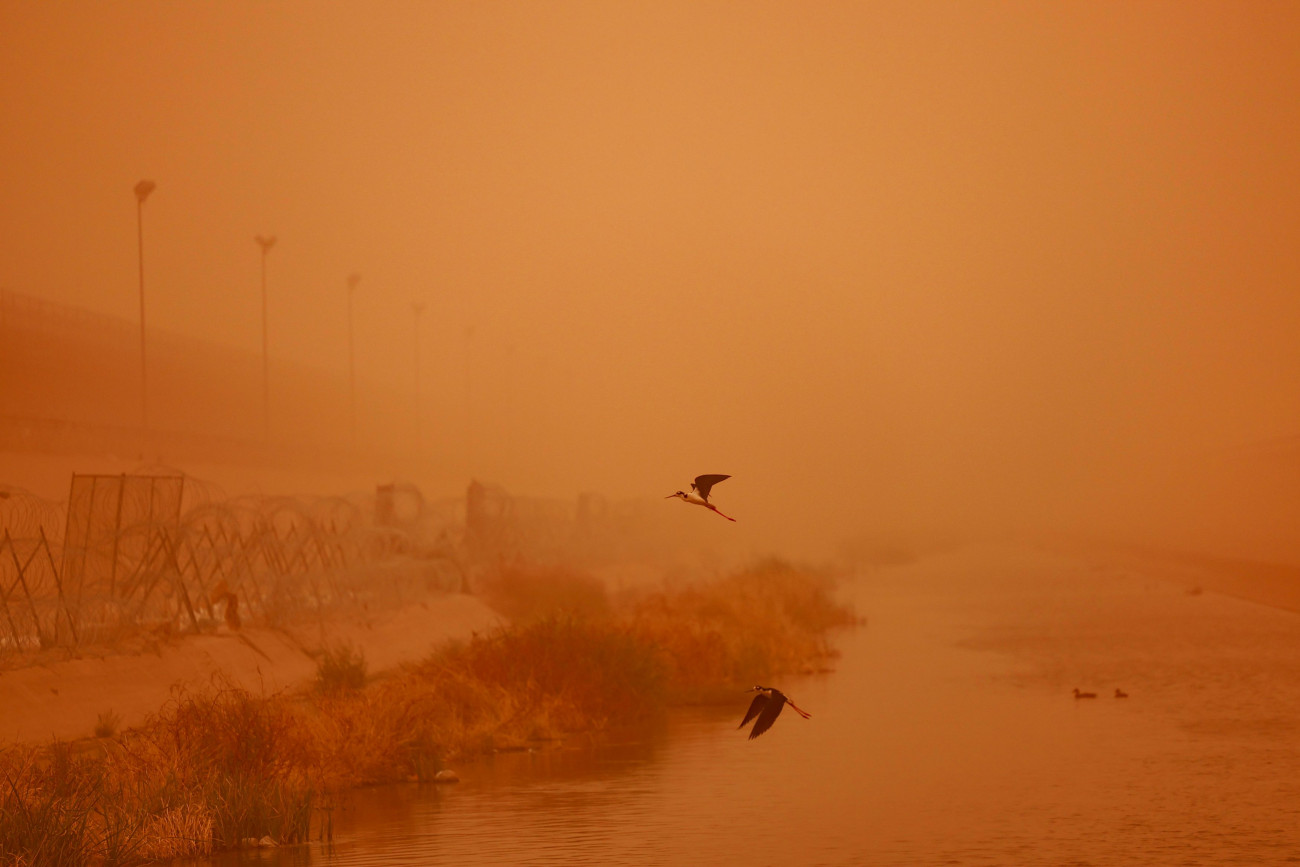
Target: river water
948	734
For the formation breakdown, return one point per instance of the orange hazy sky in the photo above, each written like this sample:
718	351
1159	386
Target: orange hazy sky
902	247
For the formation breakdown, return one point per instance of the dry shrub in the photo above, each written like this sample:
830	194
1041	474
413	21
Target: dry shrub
516	686
234	732
362	737
341	668
770	618
444	713
107	724
524	592
46	808
248	758
179	832
581	672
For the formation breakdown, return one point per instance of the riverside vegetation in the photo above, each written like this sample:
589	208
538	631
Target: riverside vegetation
214	769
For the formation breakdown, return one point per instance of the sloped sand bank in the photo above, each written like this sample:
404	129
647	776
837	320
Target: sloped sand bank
63	699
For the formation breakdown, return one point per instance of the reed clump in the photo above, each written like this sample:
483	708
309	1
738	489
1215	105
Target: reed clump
341	668
524	592
46	809
60	808
209	770
216	767
770	618
107	724
248	760
518	686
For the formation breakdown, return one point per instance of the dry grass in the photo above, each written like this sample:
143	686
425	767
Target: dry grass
506	690
107	724
217	767
248	759
206	772
524	592
767	619
341	668
179	832
46	809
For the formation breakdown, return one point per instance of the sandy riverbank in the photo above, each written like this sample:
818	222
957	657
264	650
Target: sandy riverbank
63	699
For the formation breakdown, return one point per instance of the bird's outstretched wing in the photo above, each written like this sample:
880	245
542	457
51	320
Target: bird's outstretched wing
704	484
766	717
754	707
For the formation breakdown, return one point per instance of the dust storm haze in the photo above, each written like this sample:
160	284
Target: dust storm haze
896	267
990	311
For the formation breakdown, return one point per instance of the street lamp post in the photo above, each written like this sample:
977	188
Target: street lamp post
353	280
142	191
266	243
470	331
417	307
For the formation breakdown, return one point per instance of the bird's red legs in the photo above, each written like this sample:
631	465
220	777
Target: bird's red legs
803	713
715	508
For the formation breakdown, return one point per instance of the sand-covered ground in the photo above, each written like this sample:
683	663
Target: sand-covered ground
63	698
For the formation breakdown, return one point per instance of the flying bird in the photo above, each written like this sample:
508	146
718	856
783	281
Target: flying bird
1078	694
699	494
767	707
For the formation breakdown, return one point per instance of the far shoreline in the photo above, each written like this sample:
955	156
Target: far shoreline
1276	585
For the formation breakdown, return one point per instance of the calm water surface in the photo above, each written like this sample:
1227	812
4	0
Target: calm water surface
947	735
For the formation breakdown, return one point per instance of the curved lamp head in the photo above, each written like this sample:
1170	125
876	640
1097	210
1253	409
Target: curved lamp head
143	189
267	242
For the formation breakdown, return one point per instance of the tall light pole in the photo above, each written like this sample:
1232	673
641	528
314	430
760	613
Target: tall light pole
266	243
142	191
353	280
417	307
469	395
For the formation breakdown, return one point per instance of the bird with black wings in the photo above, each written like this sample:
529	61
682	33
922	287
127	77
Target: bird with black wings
767	707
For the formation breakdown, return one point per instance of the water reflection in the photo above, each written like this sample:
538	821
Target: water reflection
947	735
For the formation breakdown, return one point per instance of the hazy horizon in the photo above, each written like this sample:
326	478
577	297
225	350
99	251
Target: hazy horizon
887	264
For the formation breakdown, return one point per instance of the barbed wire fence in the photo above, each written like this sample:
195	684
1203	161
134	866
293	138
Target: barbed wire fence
158	550
166	552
